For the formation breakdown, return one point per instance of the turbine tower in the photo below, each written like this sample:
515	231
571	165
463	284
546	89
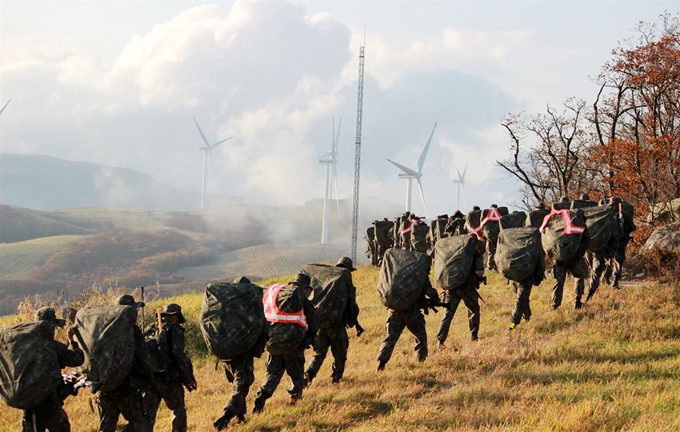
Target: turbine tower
409	174
461	185
357	153
330	159
207	157
3	108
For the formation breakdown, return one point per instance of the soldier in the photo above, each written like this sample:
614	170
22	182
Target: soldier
50	414
615	263
406	228
467	292
493	216
240	372
535	217
456	224
419	236
169	384
127	398
335	336
292	362
370	240
383	239
412	319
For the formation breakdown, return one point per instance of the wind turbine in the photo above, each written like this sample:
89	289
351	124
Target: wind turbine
461	185
207	156
3	108
330	159
410	174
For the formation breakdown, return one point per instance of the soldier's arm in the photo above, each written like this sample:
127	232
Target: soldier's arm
69	356
312	325
179	357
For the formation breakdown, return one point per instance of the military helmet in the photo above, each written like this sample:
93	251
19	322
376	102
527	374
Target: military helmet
48	314
174	309
241	280
564	199
128	300
346	262
302	280
458	214
615	200
584	196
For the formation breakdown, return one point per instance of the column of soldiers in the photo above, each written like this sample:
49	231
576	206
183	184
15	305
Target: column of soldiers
165	377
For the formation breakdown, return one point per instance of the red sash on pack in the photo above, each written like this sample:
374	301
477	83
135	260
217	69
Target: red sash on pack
413	223
272	312
569	227
493	216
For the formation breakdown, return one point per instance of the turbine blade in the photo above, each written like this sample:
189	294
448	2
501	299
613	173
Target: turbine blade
337	139
403	168
205	140
3	108
213	145
464	170
422	196
421	161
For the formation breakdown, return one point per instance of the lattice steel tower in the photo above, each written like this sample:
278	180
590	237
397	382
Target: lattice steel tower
357	154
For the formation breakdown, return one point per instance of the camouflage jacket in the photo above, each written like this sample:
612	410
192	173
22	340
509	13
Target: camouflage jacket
180	368
310	316
69	357
350	316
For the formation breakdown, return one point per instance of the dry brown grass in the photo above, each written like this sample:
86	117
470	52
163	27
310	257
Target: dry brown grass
613	365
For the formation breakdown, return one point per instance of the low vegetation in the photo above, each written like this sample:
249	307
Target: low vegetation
613	365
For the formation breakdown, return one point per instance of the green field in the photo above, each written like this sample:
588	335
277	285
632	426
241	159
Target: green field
18	259
613	365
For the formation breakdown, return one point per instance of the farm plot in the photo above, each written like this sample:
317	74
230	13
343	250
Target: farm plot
18	259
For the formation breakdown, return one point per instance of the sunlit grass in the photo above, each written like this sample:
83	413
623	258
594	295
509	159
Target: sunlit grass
613	365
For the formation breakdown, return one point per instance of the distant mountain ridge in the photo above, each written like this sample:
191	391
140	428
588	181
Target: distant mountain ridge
47	183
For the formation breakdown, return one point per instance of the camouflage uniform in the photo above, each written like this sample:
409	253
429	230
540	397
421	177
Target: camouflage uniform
468	294
578	268
170	386
522	291
292	363
626	228
456	225
50	414
370	251
127	398
382	244
335	337
412	319
240	372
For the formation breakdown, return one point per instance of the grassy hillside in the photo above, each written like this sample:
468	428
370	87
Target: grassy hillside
613	365
17	260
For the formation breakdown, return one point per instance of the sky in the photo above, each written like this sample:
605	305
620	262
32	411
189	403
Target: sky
118	82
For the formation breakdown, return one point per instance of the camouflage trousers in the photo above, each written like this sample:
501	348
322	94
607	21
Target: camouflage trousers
597	268
49	415
336	339
468	294
173	395
240	372
126	401
522	303
578	269
491	256
414	321
293	364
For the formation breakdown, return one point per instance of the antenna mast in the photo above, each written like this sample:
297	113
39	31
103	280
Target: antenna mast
357	154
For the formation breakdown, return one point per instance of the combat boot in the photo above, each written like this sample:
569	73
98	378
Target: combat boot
259	404
222	422
577	303
381	366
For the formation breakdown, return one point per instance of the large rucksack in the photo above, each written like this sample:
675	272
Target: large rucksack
518	252
419	238
106	334
29	367
516	219
535	218
331	292
453	259
492	228
602	227
382	232
557	244
581	204
232	318
286	337
402	277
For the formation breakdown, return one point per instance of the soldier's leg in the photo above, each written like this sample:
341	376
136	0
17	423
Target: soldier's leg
131	406
559	272
522	305
321	344
339	347
107	408
598	266
173	395
152	400
242	369
50	415
275	368
295	366
415	322
395	325
453	300
471	300
619	259
490	255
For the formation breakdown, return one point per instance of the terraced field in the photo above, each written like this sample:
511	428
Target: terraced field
18	259
266	261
